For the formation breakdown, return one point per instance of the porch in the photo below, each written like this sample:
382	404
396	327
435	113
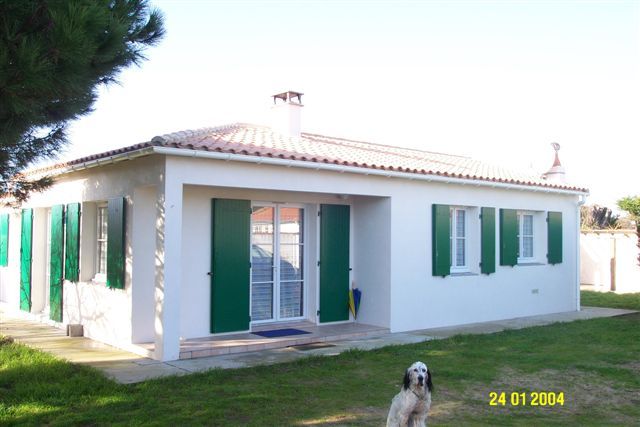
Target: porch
250	342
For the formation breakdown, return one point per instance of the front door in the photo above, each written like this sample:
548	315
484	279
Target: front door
277	275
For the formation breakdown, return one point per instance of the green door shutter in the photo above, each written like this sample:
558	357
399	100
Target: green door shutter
554	237
4	240
55	265
441	240
115	243
334	263
488	240
25	259
508	237
72	242
230	264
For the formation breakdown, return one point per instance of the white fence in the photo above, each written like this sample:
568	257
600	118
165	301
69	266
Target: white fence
609	261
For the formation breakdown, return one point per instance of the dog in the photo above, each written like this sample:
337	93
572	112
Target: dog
411	405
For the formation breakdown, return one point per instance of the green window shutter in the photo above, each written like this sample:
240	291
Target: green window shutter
25	259
488	240
72	243
230	265
115	243
508	237
55	265
554	237
4	240
441	240
334	262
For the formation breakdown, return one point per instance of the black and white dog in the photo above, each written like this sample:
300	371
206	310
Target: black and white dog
411	405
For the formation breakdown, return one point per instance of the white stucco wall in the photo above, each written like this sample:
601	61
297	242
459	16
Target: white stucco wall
104	313
597	251
10	275
168	247
417	299
372	258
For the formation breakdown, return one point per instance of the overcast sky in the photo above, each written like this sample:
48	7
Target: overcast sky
493	80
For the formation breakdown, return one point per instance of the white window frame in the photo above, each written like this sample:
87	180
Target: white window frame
100	277
522	259
454	240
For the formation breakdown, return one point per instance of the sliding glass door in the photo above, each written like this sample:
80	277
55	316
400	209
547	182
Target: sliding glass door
277	248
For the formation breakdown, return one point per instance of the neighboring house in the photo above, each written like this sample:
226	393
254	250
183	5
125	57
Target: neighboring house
217	230
610	261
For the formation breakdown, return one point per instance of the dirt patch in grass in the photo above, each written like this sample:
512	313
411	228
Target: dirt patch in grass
367	416
5	340
581	391
633	366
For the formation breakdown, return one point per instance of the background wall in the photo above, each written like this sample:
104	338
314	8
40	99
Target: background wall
598	268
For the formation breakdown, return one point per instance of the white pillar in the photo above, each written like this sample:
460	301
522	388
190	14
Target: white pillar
168	267
143	248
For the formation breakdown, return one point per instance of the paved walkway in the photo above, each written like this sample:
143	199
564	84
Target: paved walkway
125	367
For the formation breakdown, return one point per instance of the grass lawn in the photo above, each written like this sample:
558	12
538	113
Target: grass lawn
595	363
610	299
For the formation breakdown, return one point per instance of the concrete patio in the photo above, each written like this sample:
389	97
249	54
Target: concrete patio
125	367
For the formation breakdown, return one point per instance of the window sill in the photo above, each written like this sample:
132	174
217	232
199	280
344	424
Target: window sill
463	274
100	279
528	263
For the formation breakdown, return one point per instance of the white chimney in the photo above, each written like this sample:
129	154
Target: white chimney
286	113
556	173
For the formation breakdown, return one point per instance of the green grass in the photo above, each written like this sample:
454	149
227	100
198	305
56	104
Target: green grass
610	299
594	362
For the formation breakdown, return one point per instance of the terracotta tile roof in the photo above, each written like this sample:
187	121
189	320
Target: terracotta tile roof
262	141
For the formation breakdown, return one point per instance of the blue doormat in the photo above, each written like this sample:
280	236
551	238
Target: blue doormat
275	333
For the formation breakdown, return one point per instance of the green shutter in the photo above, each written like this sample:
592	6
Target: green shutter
554	237
115	243
72	243
56	260
488	240
334	263
4	240
441	240
508	237
230	265
25	259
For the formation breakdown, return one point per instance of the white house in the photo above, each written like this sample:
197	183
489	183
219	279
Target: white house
215	231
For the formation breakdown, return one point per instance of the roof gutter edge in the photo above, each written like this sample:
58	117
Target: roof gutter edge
182	152
102	161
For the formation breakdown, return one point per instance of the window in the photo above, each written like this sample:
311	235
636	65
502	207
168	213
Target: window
101	244
525	237
457	236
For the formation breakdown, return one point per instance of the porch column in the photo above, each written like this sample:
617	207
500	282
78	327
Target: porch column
168	268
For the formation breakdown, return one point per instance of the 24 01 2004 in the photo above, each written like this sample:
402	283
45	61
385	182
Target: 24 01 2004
533	398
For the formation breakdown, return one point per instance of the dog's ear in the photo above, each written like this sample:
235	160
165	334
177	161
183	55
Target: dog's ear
407	379
429	383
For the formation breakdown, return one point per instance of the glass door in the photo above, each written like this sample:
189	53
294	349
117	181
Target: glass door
277	286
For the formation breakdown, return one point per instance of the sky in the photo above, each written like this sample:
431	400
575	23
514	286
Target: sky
494	80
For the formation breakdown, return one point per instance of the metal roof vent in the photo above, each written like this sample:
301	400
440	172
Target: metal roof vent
556	173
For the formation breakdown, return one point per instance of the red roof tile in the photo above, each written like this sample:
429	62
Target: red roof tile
253	140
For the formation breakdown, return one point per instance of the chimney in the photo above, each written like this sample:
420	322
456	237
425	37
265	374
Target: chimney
286	113
556	173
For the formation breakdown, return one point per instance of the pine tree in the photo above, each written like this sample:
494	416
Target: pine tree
54	54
